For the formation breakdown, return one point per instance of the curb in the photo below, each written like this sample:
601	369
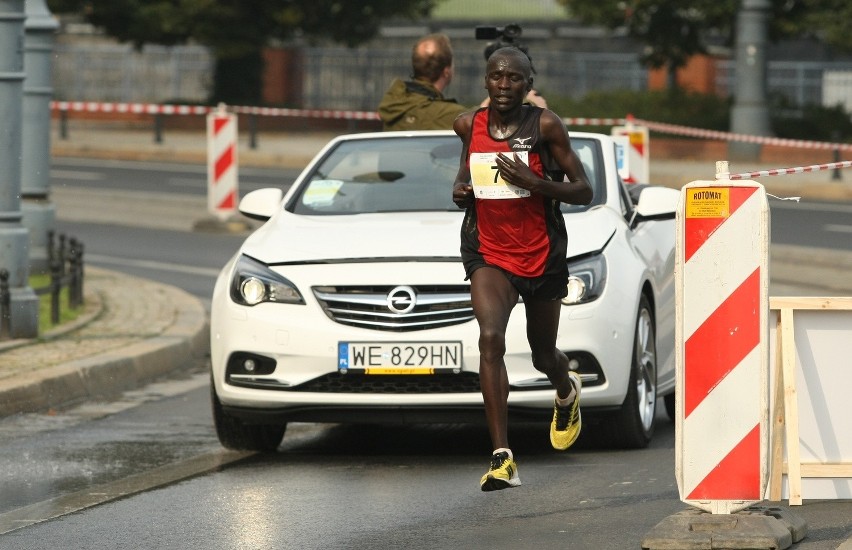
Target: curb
106	374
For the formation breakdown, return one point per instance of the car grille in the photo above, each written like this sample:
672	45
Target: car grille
397	309
465	382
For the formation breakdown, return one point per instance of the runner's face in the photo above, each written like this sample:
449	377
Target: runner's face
507	80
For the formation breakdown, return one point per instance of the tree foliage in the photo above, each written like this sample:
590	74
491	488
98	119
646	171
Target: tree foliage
828	20
236	31
672	31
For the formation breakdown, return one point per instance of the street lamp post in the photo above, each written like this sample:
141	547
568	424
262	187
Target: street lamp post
750	114
39	214
14	249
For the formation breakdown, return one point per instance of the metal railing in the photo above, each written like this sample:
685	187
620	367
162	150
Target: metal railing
65	261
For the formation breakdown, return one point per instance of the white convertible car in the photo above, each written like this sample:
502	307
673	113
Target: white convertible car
349	303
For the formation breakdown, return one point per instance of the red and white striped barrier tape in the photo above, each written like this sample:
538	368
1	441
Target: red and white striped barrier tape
308	113
167	109
580	121
728	136
784	171
135	108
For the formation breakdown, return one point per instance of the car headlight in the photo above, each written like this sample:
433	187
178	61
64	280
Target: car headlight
587	279
253	283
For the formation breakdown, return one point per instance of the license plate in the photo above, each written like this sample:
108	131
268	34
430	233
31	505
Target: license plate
399	357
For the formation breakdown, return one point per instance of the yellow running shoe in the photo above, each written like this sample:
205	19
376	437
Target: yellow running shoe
566	424
502	475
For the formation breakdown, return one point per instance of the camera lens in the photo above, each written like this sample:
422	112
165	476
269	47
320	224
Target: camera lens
512	31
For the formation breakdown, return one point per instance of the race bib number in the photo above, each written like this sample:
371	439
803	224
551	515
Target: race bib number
487	183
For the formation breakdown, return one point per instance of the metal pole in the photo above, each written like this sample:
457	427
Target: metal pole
39	213
14	238
750	114
252	131
158	128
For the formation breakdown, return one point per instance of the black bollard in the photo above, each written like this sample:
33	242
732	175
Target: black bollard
158	128
80	299
5	306
51	254
63	124
61	252
72	273
253	131
55	290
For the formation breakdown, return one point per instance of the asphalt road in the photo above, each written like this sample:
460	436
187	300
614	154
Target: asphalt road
328	486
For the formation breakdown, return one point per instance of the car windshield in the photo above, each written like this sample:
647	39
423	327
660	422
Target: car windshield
396	174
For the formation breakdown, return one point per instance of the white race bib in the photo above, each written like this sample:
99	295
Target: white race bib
487	183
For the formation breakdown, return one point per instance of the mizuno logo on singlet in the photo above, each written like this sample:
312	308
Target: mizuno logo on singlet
522	143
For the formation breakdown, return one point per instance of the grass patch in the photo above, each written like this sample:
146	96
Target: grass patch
486	12
66	314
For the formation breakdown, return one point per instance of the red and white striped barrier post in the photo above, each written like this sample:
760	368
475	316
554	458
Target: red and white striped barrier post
633	153
221	163
722	405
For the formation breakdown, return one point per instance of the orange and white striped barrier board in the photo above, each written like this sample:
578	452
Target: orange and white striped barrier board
633	152
722	353
221	163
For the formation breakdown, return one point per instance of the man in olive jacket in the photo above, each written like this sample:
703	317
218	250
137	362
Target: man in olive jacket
419	104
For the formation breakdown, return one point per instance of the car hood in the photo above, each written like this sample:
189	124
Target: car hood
289	238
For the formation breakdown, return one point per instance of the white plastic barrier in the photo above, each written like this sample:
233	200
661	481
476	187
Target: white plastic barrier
812	378
721	443
633	152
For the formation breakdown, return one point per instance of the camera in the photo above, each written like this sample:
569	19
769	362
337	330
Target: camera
503	37
507	34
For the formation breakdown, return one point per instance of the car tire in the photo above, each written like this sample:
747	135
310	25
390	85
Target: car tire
238	435
632	426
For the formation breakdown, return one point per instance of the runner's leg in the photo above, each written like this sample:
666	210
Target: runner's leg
542	326
493	298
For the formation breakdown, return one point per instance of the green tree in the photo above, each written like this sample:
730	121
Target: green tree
827	20
672	31
237	31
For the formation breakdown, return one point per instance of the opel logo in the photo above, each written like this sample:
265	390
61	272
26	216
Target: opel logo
401	299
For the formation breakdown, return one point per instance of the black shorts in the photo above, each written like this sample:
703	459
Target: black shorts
546	288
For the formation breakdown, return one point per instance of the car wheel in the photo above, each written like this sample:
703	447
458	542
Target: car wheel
632	426
235	434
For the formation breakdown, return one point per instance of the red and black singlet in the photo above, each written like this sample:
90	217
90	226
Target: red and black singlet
524	235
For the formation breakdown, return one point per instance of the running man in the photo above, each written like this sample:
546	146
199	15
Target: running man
514	243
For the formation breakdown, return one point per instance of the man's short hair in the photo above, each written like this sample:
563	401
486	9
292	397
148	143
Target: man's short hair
430	56
513	51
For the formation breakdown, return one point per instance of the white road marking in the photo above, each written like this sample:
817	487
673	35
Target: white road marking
836	228
76	175
150	264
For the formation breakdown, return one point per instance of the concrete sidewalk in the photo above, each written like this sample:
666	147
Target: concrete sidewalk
131	332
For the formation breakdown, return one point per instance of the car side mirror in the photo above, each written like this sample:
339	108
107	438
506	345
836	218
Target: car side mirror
261	204
656	203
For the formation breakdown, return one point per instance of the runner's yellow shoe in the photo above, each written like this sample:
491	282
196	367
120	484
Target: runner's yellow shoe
502	475
566	424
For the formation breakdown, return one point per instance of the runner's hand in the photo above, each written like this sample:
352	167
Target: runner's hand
515	172
462	194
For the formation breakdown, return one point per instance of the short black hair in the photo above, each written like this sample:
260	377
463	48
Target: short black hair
491	49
